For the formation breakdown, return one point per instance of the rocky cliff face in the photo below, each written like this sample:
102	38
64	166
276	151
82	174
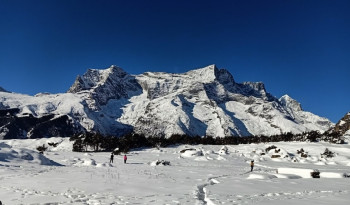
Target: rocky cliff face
28	126
343	126
204	101
103	85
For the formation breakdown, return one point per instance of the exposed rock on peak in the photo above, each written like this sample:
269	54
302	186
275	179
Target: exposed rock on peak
159	84
297	114
15	125
103	85
342	126
3	90
256	89
211	73
224	76
95	77
204	75
290	104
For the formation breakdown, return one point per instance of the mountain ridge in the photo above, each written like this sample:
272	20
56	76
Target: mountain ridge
203	101
3	90
342	127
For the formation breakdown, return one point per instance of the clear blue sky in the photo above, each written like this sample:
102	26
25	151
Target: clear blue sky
296	47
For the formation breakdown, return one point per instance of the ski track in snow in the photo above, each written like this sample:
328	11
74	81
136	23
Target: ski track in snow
201	191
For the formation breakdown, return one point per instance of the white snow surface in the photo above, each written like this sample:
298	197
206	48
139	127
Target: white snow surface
210	174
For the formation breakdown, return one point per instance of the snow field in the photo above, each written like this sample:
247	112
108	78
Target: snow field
210	174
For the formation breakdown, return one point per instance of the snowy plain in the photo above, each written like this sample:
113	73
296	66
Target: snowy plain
204	174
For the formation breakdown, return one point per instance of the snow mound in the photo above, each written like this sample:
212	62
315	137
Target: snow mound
63	144
303	173
261	176
12	155
296	173
85	162
191	153
331	175
287	176
159	163
104	165
201	158
221	158
223	151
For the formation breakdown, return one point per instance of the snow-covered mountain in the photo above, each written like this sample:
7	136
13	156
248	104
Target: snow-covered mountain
204	101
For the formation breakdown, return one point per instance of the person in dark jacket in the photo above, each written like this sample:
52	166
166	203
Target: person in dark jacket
112	156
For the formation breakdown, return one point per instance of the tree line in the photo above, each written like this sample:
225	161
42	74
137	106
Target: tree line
90	141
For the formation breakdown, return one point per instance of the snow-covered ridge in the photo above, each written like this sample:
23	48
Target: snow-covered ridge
204	101
204	75
99	86
343	125
95	77
2	89
289	103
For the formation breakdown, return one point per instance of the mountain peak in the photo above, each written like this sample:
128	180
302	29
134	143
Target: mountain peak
290	103
105	84
206	74
211	73
94	77
116	69
3	90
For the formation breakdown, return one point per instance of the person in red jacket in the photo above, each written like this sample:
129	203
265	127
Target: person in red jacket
125	158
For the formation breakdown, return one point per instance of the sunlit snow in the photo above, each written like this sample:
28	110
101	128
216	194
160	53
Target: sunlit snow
210	174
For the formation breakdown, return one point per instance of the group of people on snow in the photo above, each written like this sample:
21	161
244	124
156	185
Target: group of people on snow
112	157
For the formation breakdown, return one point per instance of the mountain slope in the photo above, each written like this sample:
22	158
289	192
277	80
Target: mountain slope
204	101
208	101
343	126
43	115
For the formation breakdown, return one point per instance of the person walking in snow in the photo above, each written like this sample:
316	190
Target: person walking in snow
125	158
251	165
112	156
